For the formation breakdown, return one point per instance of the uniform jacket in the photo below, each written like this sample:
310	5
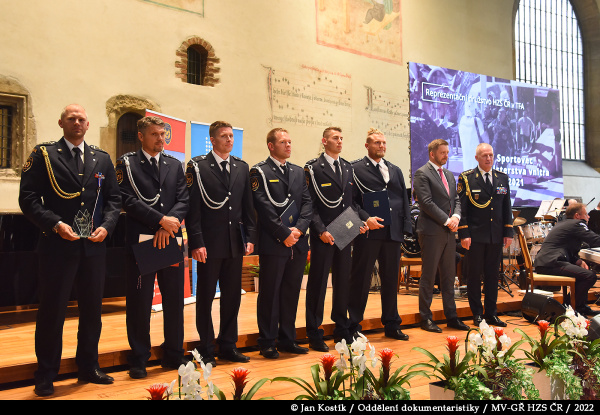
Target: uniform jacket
434	201
322	184
171	186
564	242
272	231
41	203
214	222
479	220
368	178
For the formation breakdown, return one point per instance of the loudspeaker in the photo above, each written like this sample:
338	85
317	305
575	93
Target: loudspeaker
594	329
540	307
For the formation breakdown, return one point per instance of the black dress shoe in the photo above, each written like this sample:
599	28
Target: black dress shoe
477	319
137	372
494	321
209	359
587	311
457	324
95	376
173	363
318	345
44	387
429	325
233	355
396	334
270	352
292	348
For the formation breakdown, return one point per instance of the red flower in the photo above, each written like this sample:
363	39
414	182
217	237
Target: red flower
157	392
239	375
587	324
452	345
499	331
543	326
386	363
327	361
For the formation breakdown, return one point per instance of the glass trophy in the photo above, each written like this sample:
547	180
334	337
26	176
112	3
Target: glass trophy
82	224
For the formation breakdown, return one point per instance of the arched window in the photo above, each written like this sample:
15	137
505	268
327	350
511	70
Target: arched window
127	137
197	62
549	52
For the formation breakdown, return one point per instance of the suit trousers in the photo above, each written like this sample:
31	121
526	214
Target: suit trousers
228	272
484	259
140	293
325	257
584	279
280	280
365	252
58	274
438	253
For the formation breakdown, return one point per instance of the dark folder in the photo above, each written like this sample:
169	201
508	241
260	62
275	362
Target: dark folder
150	259
345	228
290	215
378	204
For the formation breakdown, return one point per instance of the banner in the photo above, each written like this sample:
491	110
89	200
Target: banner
201	140
520	121
174	135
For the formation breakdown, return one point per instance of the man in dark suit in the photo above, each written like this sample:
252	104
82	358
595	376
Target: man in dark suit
380	243
221	229
62	181
435	187
282	246
559	255
331	185
485	226
156	200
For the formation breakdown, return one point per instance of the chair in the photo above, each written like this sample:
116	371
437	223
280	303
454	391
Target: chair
543	279
404	275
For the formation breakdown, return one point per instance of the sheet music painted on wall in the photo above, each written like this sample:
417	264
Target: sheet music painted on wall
388	113
310	96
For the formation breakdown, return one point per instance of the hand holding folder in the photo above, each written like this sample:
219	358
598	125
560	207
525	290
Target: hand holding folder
345	228
151	259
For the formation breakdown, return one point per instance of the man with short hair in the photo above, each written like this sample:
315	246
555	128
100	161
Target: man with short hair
381	243
435	187
559	255
278	184
156	200
69	190
331	185
221	229
485	226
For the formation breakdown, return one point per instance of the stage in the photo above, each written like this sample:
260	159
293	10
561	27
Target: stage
18	363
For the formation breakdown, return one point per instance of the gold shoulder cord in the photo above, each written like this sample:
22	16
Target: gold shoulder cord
468	191
53	181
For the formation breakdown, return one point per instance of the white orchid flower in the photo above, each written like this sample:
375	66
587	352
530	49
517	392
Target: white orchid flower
196	354
342	348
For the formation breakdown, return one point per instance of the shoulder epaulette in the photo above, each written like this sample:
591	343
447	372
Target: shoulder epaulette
97	148
356	161
47	143
468	171
311	161
238	159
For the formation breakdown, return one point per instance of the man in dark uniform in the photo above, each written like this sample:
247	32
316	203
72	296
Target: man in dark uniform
435	188
330	183
221	229
156	200
485	226
282	246
559	254
380	243
68	183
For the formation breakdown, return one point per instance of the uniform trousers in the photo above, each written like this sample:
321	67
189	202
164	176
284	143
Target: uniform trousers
280	280
228	272
58	274
584	279
140	294
484	259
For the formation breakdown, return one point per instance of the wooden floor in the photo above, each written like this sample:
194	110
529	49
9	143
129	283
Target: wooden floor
17	357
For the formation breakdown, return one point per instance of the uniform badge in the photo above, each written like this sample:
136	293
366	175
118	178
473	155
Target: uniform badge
119	176
476	196
255	183
459	188
168	133
189	179
28	164
501	190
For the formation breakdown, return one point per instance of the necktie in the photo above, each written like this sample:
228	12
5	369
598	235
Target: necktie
384	173
444	180
78	161
225	171
488	181
337	171
154	166
284	170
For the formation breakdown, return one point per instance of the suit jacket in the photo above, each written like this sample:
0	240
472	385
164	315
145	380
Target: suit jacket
564	242
368	178
484	224
272	231
171	186
434	201
41	201
213	222
330	188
